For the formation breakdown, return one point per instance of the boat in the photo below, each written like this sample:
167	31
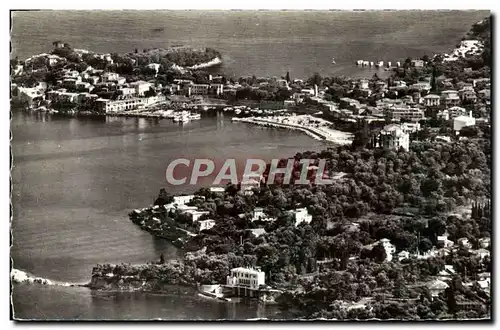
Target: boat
181	119
213	295
194	116
333	60
237	111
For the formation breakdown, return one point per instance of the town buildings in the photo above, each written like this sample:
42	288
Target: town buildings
389	248
195	215
141	87
432	100
393	137
27	96
450	98
405	113
463	121
206	224
183	199
301	215
245	281
247	185
417	63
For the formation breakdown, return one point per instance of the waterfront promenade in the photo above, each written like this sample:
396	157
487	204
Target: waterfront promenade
317	128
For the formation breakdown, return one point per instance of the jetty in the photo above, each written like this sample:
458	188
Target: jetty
316	128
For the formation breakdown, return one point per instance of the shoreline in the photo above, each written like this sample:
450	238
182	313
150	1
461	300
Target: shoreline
333	136
213	62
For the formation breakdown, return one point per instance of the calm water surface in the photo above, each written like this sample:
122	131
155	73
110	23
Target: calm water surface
254	43
76	179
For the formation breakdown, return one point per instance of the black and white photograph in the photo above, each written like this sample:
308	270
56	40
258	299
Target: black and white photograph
257	165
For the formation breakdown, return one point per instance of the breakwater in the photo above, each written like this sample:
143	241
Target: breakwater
318	132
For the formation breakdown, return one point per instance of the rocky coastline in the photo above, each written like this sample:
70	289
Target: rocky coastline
211	63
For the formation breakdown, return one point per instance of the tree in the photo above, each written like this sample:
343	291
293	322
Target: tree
433	80
287	76
316	79
149	93
425	245
407	63
378	253
162	259
469	131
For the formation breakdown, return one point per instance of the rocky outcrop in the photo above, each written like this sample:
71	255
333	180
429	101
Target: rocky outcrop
149	277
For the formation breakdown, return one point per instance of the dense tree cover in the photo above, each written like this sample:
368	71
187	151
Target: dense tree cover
183	56
431	177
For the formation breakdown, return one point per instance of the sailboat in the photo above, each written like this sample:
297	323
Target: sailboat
333	60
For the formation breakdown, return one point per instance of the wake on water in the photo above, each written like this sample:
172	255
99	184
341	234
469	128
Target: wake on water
19	276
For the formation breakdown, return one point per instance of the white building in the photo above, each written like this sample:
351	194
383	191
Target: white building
393	137
246	186
456	111
27	95
258	213
421	86
363	84
141	87
389	248
154	66
198	89
443	240
410	127
258	231
18	69
485	242
443	138
403	255
436	287
301	215
185	208
470	43
309	91
482	253
195	215
217	189
432	100
447	273
108	106
182	200
406	113
110	77
450	98
463	121
127	91
246	277
464	242
206	224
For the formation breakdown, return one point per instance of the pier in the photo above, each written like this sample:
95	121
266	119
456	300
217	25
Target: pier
314	127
